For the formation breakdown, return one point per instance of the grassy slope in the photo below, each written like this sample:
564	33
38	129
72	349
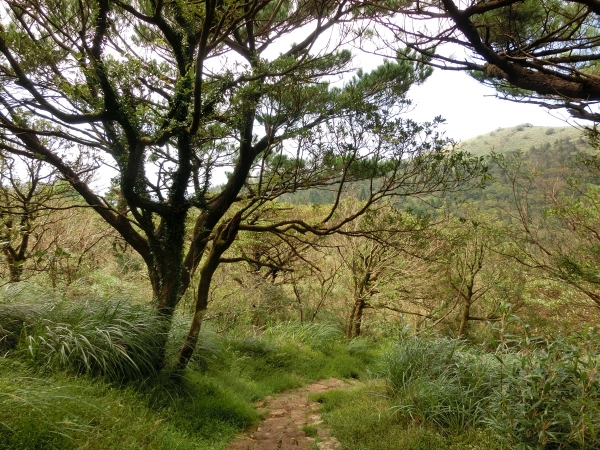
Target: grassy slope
522	137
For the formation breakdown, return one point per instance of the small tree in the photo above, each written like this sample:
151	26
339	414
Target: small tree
30	195
371	250
476	270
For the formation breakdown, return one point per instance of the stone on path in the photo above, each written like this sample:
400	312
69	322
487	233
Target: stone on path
286	415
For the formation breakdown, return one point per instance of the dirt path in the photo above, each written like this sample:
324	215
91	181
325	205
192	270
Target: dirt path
289	417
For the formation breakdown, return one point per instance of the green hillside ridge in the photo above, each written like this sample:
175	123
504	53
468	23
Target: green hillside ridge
523	137
548	148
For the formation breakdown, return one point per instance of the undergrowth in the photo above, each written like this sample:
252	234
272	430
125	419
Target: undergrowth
83	375
364	418
533	393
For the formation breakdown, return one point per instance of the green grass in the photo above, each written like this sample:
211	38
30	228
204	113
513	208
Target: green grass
310	431
63	384
64	412
364	418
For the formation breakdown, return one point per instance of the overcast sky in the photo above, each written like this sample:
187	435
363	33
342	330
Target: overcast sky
470	109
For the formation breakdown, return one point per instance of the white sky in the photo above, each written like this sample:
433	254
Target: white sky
470	108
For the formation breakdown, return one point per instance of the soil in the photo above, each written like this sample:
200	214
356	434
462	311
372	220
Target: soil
292	422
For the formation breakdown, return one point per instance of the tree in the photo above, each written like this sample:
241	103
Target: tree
476	271
558	234
30	194
543	52
168	93
371	250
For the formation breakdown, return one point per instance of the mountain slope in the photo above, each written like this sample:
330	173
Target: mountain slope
524	137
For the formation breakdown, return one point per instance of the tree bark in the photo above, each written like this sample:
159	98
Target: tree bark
465	317
355	320
223	240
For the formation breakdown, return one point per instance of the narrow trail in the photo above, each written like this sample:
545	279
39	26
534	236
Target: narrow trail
288	415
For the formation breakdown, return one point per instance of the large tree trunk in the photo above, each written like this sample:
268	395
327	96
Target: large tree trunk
354	324
468	300
464	319
222	241
165	269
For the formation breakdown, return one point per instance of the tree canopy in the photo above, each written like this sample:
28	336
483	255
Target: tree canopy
543	52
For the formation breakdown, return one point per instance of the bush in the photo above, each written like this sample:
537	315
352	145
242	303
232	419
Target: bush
550	395
440	380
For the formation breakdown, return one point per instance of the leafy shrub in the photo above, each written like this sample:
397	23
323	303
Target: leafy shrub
439	380
550	395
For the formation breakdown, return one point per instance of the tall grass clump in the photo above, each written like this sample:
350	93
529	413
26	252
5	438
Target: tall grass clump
15	320
317	335
549	395
440	381
116	340
22	305
532	394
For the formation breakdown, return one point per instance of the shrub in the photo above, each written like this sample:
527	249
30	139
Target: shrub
550	395
440	380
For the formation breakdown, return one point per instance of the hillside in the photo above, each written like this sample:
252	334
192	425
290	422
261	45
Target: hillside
524	137
550	148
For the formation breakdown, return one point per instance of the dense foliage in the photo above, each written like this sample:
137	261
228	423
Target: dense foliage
165	96
274	217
